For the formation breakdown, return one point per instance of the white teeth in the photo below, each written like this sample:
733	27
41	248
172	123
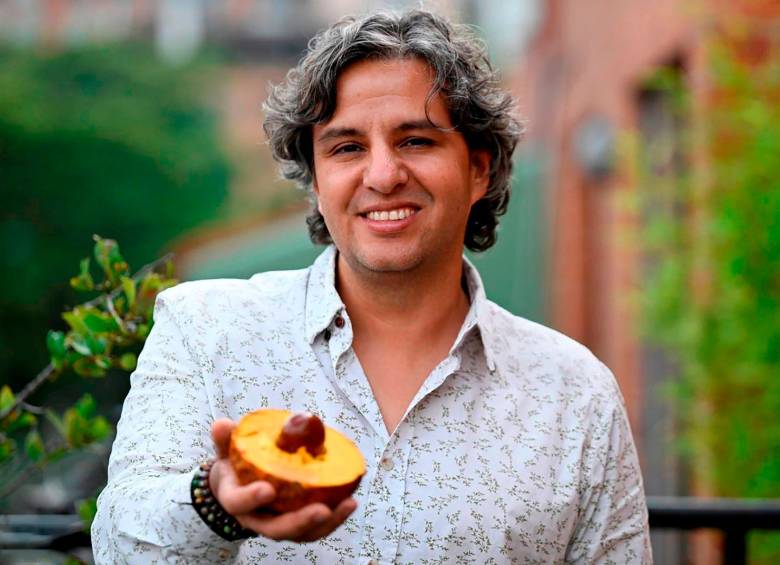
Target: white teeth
385	215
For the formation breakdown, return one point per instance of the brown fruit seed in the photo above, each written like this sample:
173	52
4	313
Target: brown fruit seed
302	430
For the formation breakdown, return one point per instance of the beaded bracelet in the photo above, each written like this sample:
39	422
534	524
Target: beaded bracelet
211	511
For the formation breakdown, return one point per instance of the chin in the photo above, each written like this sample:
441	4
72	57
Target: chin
384	261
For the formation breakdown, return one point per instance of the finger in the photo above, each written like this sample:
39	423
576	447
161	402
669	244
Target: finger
290	525
236	498
338	517
220	433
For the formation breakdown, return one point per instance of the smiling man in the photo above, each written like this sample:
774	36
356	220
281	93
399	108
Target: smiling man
488	438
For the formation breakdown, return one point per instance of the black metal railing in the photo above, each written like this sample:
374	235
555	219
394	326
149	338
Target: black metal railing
735	517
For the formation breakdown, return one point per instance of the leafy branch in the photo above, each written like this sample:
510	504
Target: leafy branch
103	333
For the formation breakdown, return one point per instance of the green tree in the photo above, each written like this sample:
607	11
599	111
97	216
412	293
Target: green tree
713	300
98	140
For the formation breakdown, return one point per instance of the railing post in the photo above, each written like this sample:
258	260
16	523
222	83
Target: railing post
735	550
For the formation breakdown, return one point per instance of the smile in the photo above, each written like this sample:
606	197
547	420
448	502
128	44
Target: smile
388	215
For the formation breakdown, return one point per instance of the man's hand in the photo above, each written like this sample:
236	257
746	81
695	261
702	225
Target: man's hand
246	502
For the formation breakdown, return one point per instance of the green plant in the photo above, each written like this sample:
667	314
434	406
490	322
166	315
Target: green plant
713	298
104	333
96	139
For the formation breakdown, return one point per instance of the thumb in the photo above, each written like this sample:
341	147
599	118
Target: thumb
220	433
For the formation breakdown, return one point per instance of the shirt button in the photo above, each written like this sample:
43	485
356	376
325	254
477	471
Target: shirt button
386	463
339	322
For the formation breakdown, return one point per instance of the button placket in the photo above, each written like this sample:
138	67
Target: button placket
388	490
386	463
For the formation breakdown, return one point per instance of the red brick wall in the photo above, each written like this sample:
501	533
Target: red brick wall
590	58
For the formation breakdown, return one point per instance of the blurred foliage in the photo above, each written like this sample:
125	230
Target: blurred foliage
713	300
86	510
105	332
102	139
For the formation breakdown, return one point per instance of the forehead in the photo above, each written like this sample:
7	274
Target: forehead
385	88
395	74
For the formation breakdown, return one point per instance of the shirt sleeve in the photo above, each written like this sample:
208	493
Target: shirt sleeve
612	526
144	514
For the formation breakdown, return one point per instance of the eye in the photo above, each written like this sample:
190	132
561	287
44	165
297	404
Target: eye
346	148
418	142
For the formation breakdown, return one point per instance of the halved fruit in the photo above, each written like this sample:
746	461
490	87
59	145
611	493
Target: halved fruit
291	452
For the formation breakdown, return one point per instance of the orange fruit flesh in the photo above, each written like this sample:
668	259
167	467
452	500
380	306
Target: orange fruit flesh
255	439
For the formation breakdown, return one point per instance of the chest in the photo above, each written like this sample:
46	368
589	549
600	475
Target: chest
476	471
395	377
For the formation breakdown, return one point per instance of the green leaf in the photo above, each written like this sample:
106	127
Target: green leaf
7	449
97	345
110	259
6	398
86	345
86	509
25	420
128	361
150	286
99	428
33	446
75	319
79	345
55	343
128	286
87	367
86	407
102	361
81	426
84	267
83	281
100	322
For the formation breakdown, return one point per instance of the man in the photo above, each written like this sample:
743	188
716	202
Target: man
488	438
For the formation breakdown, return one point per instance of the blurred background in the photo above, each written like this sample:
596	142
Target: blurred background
644	222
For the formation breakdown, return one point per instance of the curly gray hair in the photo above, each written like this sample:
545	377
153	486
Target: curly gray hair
478	107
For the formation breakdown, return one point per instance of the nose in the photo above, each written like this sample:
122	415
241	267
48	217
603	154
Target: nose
385	172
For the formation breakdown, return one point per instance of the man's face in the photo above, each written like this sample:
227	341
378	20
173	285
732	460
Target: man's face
395	191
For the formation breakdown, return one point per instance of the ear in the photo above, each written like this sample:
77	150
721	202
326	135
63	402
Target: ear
316	190
480	173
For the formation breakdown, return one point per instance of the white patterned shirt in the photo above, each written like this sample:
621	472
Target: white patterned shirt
516	449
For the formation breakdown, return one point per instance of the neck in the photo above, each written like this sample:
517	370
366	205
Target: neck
408	305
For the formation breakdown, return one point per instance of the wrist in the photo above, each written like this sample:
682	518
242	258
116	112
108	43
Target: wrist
208	508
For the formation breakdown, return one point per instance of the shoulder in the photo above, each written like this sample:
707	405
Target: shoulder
271	291
530	353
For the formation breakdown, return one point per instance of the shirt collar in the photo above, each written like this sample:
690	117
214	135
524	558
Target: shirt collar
323	303
479	315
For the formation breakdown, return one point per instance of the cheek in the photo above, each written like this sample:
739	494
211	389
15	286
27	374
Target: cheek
336	190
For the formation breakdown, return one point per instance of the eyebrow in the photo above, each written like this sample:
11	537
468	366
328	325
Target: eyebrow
337	133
